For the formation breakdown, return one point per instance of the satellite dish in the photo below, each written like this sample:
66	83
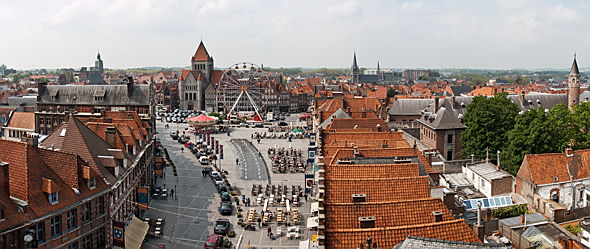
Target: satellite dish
28	238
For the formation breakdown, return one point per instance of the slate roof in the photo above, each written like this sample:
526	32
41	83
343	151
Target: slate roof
23	120
338	114
387	214
533	101
553	167
377	189
415	242
574	69
443	119
458	90
403	107
115	95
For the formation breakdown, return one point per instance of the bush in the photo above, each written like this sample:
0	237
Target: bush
510	211
574	229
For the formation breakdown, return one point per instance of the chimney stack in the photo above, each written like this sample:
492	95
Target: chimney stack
498	158
110	136
129	85
435	104
4	177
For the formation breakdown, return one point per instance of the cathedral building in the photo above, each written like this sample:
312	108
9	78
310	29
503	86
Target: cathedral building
194	81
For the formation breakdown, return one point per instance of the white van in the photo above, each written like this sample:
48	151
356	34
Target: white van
204	160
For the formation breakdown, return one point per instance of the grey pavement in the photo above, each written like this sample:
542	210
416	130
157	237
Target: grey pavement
190	218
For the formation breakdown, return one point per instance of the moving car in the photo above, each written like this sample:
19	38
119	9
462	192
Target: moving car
221	226
204	160
214	241
226	208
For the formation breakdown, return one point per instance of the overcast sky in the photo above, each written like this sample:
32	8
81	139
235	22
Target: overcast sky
299	33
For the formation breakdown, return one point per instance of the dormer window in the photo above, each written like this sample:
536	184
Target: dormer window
53	98
91	183
53	198
98	98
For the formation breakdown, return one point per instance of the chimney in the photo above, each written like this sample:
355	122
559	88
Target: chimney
379	128
521	97
435	105
523	219
32	140
453	102
358	198
41	88
438	216
478	213
110	136
498	160
367	222
4	177
569	152
129	85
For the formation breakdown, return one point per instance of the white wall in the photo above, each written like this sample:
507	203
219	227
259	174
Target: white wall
565	192
482	185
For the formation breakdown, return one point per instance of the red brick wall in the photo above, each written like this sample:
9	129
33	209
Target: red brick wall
502	186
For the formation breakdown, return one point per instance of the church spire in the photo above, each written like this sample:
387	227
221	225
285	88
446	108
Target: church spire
378	68
98	55
574	69
355	66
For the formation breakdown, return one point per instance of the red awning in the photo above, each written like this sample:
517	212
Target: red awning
201	118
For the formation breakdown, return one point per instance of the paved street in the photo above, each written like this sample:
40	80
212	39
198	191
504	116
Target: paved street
251	163
190	216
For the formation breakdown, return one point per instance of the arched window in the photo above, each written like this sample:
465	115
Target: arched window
554	195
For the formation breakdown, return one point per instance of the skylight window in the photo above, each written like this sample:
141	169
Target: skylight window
63	132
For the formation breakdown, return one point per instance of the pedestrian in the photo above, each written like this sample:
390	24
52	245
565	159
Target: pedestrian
203	173
268	231
248	201
182	149
172	192
305	196
259	222
237	161
258	140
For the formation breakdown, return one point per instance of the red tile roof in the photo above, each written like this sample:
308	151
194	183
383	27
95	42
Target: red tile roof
454	230
355	171
347	123
388	214
553	167
201	54
23	120
377	189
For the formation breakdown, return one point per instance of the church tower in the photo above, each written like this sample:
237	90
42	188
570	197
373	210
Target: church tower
202	62
98	63
573	82
379	74
355	70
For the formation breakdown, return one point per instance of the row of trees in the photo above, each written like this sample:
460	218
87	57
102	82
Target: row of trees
495	124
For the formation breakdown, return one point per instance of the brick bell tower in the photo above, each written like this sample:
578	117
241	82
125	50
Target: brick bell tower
573	81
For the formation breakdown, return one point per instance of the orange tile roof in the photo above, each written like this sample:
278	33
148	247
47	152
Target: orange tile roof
544	168
354	171
388	214
377	189
454	230
330	135
483	91
23	120
347	123
375	152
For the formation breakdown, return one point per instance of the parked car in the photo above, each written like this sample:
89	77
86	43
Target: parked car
214	241
225	196
222	226
282	123
226	208
221	187
208	170
214	174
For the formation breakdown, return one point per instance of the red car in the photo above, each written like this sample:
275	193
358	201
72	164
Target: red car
214	241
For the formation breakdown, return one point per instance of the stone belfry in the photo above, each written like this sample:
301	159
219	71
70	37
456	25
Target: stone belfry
573	82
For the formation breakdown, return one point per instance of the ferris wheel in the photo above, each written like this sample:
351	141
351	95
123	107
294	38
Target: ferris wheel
244	88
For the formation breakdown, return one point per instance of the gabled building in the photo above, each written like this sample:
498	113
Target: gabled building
50	198
194	82
555	184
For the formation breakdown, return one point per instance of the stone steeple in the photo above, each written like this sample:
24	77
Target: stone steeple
573	82
355	70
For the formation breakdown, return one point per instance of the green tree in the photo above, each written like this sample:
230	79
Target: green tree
488	122
581	126
533	133
391	92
